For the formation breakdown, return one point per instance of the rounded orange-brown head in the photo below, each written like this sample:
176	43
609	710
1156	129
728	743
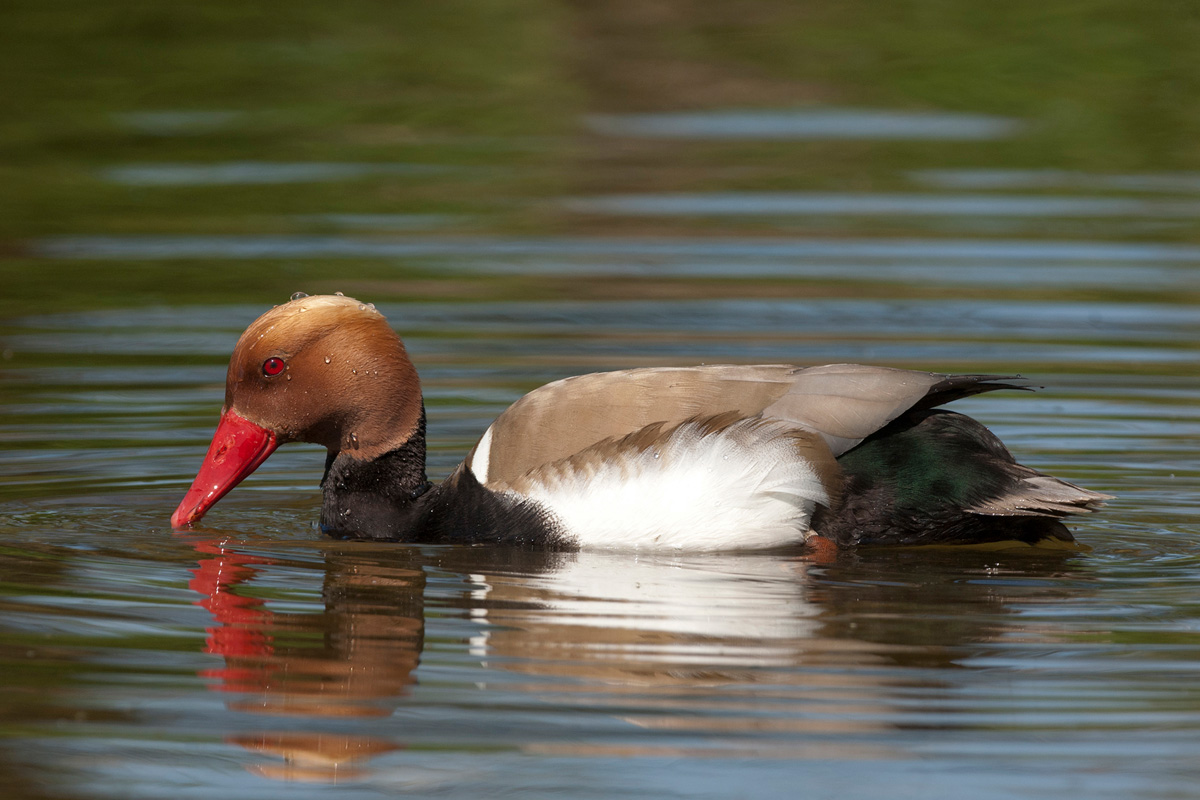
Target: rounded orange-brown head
325	369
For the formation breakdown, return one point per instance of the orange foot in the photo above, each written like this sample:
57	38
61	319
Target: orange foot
822	550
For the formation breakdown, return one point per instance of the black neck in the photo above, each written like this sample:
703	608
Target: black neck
390	498
377	498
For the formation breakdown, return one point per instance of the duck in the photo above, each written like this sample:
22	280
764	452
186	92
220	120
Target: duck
699	458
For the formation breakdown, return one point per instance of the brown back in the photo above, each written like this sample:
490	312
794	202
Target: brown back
844	403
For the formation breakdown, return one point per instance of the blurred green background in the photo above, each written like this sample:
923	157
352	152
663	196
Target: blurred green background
473	118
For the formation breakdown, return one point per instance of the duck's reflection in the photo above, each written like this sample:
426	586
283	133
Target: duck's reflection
352	660
802	650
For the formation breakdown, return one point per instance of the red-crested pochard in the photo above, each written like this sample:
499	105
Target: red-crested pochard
693	458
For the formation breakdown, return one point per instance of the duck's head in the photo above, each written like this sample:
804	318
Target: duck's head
325	369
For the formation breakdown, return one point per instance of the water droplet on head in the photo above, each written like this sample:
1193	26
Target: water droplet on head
328	359
298	295
338	294
289	376
303	309
354	440
353	372
362	306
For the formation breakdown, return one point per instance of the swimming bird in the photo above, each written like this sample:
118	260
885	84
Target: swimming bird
718	457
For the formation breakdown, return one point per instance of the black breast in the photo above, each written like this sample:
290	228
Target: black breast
389	499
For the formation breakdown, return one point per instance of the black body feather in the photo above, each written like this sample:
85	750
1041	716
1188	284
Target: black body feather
913	482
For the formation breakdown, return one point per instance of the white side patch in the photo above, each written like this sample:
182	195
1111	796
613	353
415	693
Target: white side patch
746	487
479	461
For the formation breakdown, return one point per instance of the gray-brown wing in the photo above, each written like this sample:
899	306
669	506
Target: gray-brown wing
844	403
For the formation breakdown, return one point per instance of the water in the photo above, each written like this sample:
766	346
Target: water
883	205
255	656
680	187
840	124
251	173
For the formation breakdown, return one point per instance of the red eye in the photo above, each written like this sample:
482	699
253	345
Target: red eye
273	366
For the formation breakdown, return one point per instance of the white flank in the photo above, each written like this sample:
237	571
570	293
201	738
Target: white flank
744	488
479	461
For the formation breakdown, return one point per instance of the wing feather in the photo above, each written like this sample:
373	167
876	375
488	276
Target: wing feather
843	403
